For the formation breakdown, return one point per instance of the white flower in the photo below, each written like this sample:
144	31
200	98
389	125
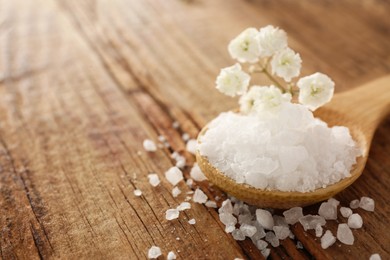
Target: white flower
271	40
262	99
315	90
232	81
286	64
245	47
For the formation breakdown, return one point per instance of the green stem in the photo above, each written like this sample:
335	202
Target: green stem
265	71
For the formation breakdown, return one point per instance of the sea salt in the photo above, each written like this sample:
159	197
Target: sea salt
175	124
184	206
354	204
154	180
174	175
248	230
199	196
375	257
238	235
327	239
345	212
154	252
229	229
272	239
293	215
311	222
318	230
265	252
192	221
228	219
265	219
137	192
281	232
355	221
328	210
191	146
196	173
344	234
185	137
171	256
291	151
211	204
299	245
261	244
149	145
171	214
367	204
226	207
175	192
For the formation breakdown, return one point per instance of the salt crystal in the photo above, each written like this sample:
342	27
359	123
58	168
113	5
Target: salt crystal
226	207
137	192
174	175
272	239
293	215
191	146
199	196
299	245
171	214
237	258
175	124
197	174
188	198
318	230
149	145
354	204
345	212
227	219
310	221
229	229
161	138
154	180
244	219
154	252
355	221
367	204
261	244
265	252
281	232
279	221
334	202
192	221
180	161
190	192
238	235
375	257
189	182
184	206
185	137
171	256
344	234
265	219
328	210
175	192
211	204
327	239
248	230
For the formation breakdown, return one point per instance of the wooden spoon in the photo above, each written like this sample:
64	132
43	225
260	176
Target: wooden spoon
360	109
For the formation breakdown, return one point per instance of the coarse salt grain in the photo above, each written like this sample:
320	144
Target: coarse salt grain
154	252
328	210
211	204
174	175
344	234
197	174
149	145
345	212
265	219
311	222
184	206
137	192
375	257
367	204
355	221
175	192
327	239
192	221
261	244
171	256
238	235
199	196
354	204
293	215
191	146
171	214
154	180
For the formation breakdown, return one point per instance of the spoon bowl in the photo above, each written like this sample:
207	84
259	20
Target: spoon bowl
360	109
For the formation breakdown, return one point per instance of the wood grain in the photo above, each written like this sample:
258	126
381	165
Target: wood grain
83	83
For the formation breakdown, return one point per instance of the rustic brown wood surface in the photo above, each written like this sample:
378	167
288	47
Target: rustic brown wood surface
83	83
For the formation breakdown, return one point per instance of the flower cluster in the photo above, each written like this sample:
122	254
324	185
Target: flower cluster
266	50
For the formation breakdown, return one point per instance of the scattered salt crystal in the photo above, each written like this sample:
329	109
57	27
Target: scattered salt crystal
226	207
154	252
197	174
248	230
327	239
188	198
238	235
191	146
345	212
344	234
272	239
334	202
299	245
154	180
178	238
354	204
211	204
367	203
328	210
175	192
161	138
175	124
171	256
244	219
199	196
281	232
310	221
293	215
174	175
318	230
227	219
180	161
149	145
355	221
192	221
279	221
189	182
137	192
171	214
190	192
185	137
265	219
184	206
261	244
229	229
265	252
237	258
375	257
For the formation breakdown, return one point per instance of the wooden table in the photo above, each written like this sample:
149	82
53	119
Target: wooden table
83	83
